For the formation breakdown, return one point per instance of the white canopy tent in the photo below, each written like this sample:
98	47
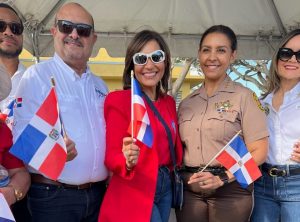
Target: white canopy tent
259	24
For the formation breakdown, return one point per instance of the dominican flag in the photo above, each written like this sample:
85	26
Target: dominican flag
18	102
8	114
140	124
237	159
5	212
41	144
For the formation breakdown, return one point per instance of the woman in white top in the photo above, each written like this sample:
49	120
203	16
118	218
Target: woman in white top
277	192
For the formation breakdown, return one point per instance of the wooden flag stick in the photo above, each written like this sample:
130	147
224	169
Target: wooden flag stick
62	125
132	111
220	151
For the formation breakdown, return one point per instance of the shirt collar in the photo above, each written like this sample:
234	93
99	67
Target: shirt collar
290	95
295	92
268	99
226	86
73	75
21	69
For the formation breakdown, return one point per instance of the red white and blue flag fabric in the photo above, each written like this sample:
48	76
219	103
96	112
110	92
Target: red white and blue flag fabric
41	144
142	130
8	113
5	212
237	159
18	102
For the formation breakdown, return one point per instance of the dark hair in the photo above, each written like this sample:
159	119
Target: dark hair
223	30
135	46
273	82
3	5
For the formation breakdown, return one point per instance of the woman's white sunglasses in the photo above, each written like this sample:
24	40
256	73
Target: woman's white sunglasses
157	56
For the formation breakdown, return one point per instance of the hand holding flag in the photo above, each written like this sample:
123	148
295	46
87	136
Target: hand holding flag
237	159
71	150
41	144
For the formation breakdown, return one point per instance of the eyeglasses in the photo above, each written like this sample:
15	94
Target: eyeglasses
15	28
140	58
285	54
66	27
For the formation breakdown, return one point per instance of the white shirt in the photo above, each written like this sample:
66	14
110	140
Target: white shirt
15	80
81	101
283	127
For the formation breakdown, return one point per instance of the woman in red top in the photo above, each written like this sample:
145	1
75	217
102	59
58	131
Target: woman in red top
19	177
140	188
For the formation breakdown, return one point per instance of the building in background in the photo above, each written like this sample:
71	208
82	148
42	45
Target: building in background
111	71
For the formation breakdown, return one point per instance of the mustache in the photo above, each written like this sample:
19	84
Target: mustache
73	41
8	38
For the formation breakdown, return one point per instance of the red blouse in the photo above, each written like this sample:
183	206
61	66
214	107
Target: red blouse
131	194
6	159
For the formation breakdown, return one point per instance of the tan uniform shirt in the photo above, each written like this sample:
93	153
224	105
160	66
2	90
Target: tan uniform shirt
206	124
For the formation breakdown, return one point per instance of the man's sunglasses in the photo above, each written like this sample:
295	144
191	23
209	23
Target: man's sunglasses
66	27
140	58
285	54
15	28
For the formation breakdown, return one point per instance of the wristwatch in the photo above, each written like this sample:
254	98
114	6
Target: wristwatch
224	177
18	193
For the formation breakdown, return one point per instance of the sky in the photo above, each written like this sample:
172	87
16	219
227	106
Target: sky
234	76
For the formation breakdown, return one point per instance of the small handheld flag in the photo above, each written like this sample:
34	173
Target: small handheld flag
139	127
7	114
5	212
41	144
237	159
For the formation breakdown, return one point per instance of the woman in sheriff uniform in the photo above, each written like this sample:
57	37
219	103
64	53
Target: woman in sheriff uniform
208	119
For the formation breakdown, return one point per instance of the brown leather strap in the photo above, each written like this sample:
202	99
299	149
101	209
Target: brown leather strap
37	178
280	171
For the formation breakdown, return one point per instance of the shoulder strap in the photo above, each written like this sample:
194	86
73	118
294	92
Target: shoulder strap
168	131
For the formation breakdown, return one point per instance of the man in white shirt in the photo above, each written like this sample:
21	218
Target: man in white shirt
11	45
79	190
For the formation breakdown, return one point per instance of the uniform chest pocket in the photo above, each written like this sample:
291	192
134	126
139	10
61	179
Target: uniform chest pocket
185	118
223	125
71	113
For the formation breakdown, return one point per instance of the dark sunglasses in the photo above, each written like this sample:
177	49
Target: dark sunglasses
66	27
140	58
285	54
15	28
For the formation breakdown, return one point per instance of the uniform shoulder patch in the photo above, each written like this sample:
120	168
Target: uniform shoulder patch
259	105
